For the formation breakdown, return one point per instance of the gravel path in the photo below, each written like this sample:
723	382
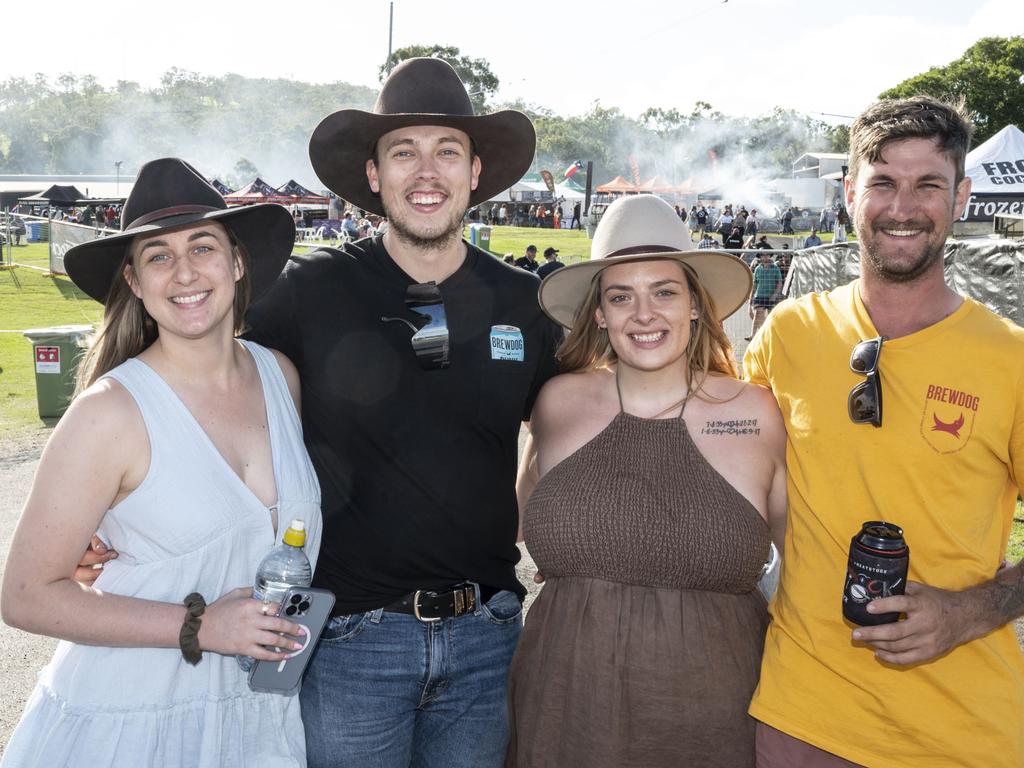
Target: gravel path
21	654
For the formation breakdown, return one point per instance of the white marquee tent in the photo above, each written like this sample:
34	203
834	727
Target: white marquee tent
534	190
996	169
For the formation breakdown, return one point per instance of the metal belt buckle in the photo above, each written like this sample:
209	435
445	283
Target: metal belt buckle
416	609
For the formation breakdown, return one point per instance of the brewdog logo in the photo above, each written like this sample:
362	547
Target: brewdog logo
948	418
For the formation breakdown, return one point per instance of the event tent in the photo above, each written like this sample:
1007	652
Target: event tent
302	195
64	195
257	191
536	191
618	185
221	187
656	185
996	169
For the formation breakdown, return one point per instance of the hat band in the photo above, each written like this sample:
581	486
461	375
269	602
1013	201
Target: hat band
643	249
164	213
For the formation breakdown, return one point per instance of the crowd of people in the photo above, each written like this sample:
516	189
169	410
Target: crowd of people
543	215
100	216
654	486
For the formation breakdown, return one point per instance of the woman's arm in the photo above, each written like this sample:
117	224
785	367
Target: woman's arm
100	450
526	478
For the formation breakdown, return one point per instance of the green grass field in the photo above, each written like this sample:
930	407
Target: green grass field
1015	550
573	245
30	298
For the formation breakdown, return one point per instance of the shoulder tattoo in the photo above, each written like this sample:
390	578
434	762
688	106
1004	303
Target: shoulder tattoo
731	427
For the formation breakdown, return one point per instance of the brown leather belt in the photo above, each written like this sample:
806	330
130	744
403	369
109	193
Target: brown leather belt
429	606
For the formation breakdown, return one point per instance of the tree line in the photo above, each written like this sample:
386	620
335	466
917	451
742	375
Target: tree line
235	127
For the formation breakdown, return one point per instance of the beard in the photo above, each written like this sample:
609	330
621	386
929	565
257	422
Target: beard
436	234
879	258
435	239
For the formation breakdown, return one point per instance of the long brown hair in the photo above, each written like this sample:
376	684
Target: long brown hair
709	350
127	328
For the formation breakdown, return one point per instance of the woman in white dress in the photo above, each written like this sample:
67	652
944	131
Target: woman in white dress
184	451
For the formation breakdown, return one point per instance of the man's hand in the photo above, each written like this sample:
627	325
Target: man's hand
91	565
937	621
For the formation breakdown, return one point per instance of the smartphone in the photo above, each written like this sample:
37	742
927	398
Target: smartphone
310	608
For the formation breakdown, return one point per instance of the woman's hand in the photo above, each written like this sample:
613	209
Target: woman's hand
236	625
91	565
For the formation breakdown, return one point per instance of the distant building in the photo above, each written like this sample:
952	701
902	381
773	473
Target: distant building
820	165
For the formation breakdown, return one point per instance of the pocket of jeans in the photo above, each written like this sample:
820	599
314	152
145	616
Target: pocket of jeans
342	628
503	608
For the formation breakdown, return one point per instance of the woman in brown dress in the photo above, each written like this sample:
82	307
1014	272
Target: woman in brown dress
658	483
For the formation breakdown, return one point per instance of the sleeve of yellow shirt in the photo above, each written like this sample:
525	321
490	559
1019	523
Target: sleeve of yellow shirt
755	363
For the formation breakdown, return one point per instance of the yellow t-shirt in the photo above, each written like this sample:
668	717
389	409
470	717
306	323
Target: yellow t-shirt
946	466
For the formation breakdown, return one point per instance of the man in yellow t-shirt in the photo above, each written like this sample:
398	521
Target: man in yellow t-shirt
944	459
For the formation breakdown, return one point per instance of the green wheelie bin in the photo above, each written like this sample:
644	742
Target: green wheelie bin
56	352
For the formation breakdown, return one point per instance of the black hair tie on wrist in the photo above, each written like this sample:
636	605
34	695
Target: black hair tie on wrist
188	638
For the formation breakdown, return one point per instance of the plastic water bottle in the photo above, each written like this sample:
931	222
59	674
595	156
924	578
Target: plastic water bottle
285	566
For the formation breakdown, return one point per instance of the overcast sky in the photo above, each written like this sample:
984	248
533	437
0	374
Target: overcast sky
743	56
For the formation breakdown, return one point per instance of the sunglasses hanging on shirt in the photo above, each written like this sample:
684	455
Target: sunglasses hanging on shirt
864	403
430	329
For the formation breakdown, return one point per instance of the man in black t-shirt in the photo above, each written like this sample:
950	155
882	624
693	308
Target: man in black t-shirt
528	261
551	263
420	356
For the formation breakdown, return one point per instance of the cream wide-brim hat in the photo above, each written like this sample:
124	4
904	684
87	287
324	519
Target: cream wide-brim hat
640	228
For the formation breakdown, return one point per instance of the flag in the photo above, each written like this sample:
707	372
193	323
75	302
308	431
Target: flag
572	169
549	181
634	168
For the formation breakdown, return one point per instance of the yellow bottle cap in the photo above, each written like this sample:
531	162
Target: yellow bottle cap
296	534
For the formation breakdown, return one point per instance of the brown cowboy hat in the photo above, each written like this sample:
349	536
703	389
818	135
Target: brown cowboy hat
420	91
641	228
169	193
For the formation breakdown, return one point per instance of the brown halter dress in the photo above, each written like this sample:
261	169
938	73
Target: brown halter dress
644	646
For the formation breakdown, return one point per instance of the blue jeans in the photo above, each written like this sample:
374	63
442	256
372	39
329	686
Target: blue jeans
384	690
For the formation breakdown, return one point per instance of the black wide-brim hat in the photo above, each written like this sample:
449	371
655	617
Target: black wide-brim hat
420	91
169	194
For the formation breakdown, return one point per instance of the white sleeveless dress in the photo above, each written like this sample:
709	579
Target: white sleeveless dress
192	525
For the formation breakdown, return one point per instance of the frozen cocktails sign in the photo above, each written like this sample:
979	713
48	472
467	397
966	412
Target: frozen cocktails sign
996	169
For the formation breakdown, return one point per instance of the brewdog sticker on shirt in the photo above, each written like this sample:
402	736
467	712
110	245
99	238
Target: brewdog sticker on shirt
507	343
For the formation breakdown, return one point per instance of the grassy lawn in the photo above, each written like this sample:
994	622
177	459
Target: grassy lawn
1015	550
573	245
31	299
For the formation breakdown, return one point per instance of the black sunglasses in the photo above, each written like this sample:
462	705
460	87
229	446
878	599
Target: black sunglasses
865	401
430	332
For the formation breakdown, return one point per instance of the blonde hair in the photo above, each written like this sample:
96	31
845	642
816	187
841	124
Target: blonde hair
127	328
709	350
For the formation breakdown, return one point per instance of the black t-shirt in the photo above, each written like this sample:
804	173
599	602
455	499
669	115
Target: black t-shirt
547	268
526	263
417	468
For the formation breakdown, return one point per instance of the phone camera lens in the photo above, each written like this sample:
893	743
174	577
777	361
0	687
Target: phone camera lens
304	606
290	610
296	599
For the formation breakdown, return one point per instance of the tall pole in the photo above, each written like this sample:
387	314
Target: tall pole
391	27
117	188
